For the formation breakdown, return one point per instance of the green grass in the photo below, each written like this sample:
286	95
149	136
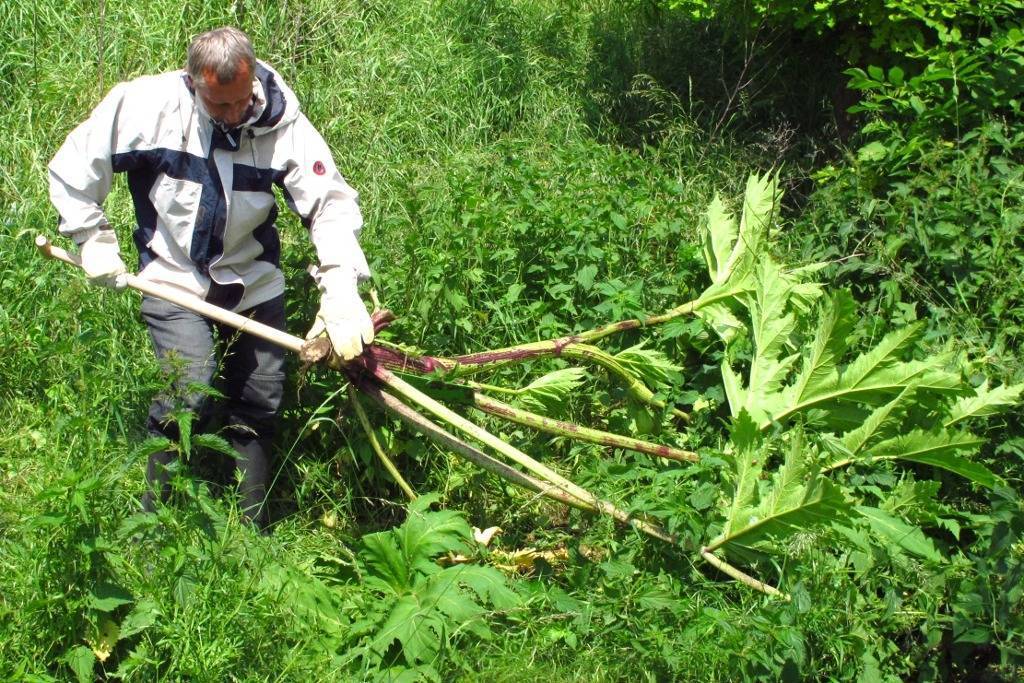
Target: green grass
520	178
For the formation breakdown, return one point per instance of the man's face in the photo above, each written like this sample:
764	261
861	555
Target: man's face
227	103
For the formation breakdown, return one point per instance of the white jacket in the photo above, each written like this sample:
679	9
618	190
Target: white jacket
203	198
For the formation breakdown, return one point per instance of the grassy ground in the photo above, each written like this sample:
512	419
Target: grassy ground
501	150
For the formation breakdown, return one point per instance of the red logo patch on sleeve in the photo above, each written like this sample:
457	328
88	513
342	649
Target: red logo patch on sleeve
319	168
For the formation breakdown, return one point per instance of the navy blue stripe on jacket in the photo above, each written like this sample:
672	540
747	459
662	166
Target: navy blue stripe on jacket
145	166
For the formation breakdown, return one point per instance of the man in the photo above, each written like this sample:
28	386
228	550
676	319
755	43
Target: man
202	149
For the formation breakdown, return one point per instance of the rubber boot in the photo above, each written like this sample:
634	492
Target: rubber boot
254	464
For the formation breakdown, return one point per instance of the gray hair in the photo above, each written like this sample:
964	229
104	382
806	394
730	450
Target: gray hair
220	51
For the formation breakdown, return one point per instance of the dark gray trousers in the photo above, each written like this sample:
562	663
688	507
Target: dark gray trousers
251	379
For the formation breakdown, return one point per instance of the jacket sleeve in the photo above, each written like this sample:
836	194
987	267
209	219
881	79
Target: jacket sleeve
81	172
328	206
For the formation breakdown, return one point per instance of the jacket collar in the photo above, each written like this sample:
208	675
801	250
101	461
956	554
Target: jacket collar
274	105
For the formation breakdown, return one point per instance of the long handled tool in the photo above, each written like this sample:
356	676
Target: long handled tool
186	301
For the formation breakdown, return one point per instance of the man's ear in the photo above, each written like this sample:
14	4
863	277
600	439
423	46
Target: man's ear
189	84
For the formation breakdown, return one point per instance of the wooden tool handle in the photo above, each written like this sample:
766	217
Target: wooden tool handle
187	301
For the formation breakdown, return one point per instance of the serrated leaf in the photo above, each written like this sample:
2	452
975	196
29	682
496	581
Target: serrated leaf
107	597
936	448
419	630
748	462
151	445
796	500
734	391
820	502
760	203
397	556
215	443
81	660
876	386
731	252
489	585
819	370
140	521
438	606
873	151
184	418
143	615
549	392
883	355
908	537
719	239
856	440
585	276
771	324
985	402
722	320
916	500
652	366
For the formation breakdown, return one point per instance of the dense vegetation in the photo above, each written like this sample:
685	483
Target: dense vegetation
531	169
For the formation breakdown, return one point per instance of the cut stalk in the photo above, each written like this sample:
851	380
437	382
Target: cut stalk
728	569
375	444
462	366
495	407
412	394
460	447
475	362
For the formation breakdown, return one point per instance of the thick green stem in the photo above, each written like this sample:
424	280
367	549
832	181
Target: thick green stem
413	395
474	363
746	579
511	354
573	431
364	421
474	455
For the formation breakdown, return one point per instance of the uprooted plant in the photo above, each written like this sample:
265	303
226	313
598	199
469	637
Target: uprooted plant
798	412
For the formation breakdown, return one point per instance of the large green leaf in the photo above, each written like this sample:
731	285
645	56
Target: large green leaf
106	597
894	530
440	605
425	603
985	402
819	502
785	369
396	556
877	423
774	392
750	451
731	253
797	500
820	362
938	448
651	365
719	239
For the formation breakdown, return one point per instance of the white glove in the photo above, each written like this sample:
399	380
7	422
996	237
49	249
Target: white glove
342	313
101	260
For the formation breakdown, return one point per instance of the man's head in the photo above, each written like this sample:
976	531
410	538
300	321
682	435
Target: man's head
221	64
